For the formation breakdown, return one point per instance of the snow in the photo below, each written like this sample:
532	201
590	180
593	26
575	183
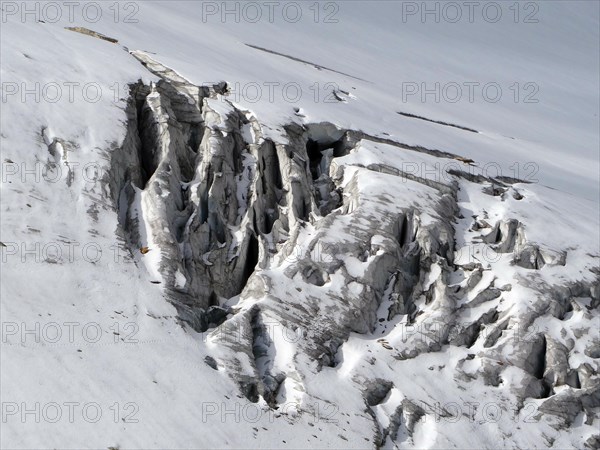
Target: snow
150	381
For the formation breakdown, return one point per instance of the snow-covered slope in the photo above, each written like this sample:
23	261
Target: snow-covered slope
235	233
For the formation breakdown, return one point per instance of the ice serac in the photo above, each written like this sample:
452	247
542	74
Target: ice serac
313	255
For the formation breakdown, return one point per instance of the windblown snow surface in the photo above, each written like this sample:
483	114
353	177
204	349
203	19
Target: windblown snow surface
365	227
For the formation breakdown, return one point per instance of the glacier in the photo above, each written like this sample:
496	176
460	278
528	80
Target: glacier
324	225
